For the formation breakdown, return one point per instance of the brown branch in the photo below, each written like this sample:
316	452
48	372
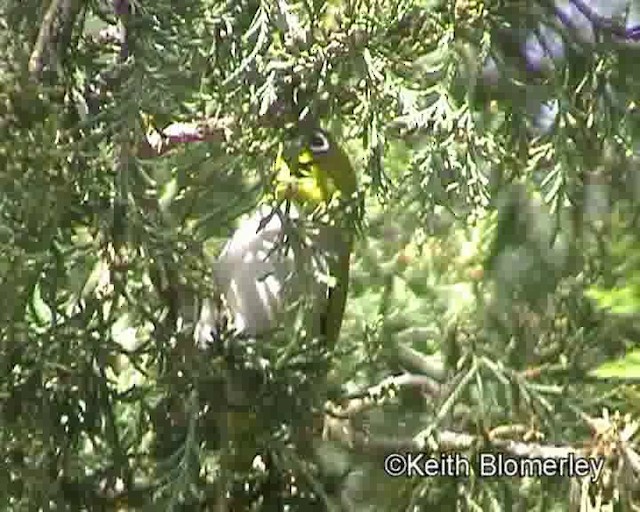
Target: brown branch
380	393
416	361
156	144
341	431
43	42
54	33
609	431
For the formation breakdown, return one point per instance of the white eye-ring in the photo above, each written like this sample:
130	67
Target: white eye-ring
319	142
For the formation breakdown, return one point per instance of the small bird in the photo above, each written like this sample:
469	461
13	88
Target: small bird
292	251
296	244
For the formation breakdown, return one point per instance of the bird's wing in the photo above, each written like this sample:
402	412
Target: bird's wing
252	270
257	277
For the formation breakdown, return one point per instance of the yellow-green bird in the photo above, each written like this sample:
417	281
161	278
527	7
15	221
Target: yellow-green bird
259	275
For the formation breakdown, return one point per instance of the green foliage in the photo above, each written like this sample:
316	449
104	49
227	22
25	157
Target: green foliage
498	255
618	293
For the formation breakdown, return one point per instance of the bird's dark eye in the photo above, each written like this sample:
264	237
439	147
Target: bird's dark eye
319	142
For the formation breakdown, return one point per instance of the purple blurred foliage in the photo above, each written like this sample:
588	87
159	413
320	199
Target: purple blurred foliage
576	21
542	48
619	17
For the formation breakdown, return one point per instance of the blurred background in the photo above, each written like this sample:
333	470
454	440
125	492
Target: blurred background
495	281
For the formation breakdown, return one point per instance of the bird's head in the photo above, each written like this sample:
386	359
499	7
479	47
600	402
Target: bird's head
314	171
